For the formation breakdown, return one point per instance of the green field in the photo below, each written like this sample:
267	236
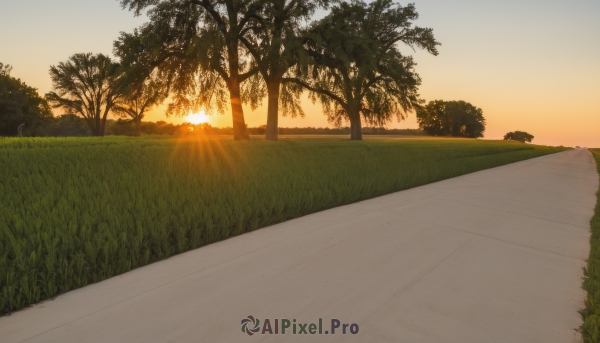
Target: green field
590	329
79	210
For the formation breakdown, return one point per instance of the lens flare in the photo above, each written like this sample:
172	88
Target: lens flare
197	118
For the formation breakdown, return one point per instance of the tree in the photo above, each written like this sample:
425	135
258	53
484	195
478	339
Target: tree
137	100
21	104
451	118
195	45
86	85
358	72
519	136
275	43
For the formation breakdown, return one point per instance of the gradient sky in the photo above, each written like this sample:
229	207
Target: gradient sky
530	65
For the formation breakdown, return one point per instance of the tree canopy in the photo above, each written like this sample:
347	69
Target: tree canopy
451	118
86	85
358	72
5	69
20	104
519	136
195	44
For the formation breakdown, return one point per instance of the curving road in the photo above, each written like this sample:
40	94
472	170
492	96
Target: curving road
493	256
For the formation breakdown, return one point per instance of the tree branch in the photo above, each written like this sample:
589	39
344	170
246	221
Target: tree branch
243	77
212	12
316	90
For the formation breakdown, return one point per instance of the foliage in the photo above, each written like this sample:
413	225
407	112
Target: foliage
359	73
518	136
590	329
195	45
78	211
5	69
21	104
67	125
137	99
86	85
451	118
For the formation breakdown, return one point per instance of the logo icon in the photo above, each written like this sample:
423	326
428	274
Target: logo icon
249	322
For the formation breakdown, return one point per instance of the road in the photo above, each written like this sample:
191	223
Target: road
492	256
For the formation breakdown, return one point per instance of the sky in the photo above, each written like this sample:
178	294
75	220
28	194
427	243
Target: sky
530	65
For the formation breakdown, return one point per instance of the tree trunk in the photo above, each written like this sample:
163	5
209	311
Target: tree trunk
355	127
103	119
237	112
93	129
102	128
138	126
272	132
239	124
96	131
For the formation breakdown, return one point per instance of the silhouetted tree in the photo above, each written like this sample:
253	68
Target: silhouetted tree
358	72
139	99
518	136
21	104
451	118
195	44
275	43
87	85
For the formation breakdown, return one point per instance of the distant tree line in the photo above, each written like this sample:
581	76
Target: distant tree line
72	125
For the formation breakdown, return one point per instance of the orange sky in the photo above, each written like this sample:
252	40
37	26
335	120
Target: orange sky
530	65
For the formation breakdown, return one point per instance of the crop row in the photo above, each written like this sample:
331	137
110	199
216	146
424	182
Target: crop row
77	211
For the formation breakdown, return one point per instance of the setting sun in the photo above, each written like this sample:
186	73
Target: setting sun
197	118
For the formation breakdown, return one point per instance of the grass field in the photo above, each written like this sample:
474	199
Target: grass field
590	329
79	210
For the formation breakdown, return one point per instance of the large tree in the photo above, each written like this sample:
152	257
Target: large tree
87	85
275	43
195	44
451	118
358	71
21	104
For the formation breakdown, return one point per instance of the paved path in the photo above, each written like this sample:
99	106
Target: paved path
493	256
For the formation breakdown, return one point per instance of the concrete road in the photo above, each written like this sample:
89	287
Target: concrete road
493	256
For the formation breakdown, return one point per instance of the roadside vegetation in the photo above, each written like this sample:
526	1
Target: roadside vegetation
79	210
590	329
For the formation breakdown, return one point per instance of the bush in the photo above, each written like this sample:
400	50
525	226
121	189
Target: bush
21	104
518	136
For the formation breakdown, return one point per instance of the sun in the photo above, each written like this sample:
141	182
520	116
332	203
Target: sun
197	118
